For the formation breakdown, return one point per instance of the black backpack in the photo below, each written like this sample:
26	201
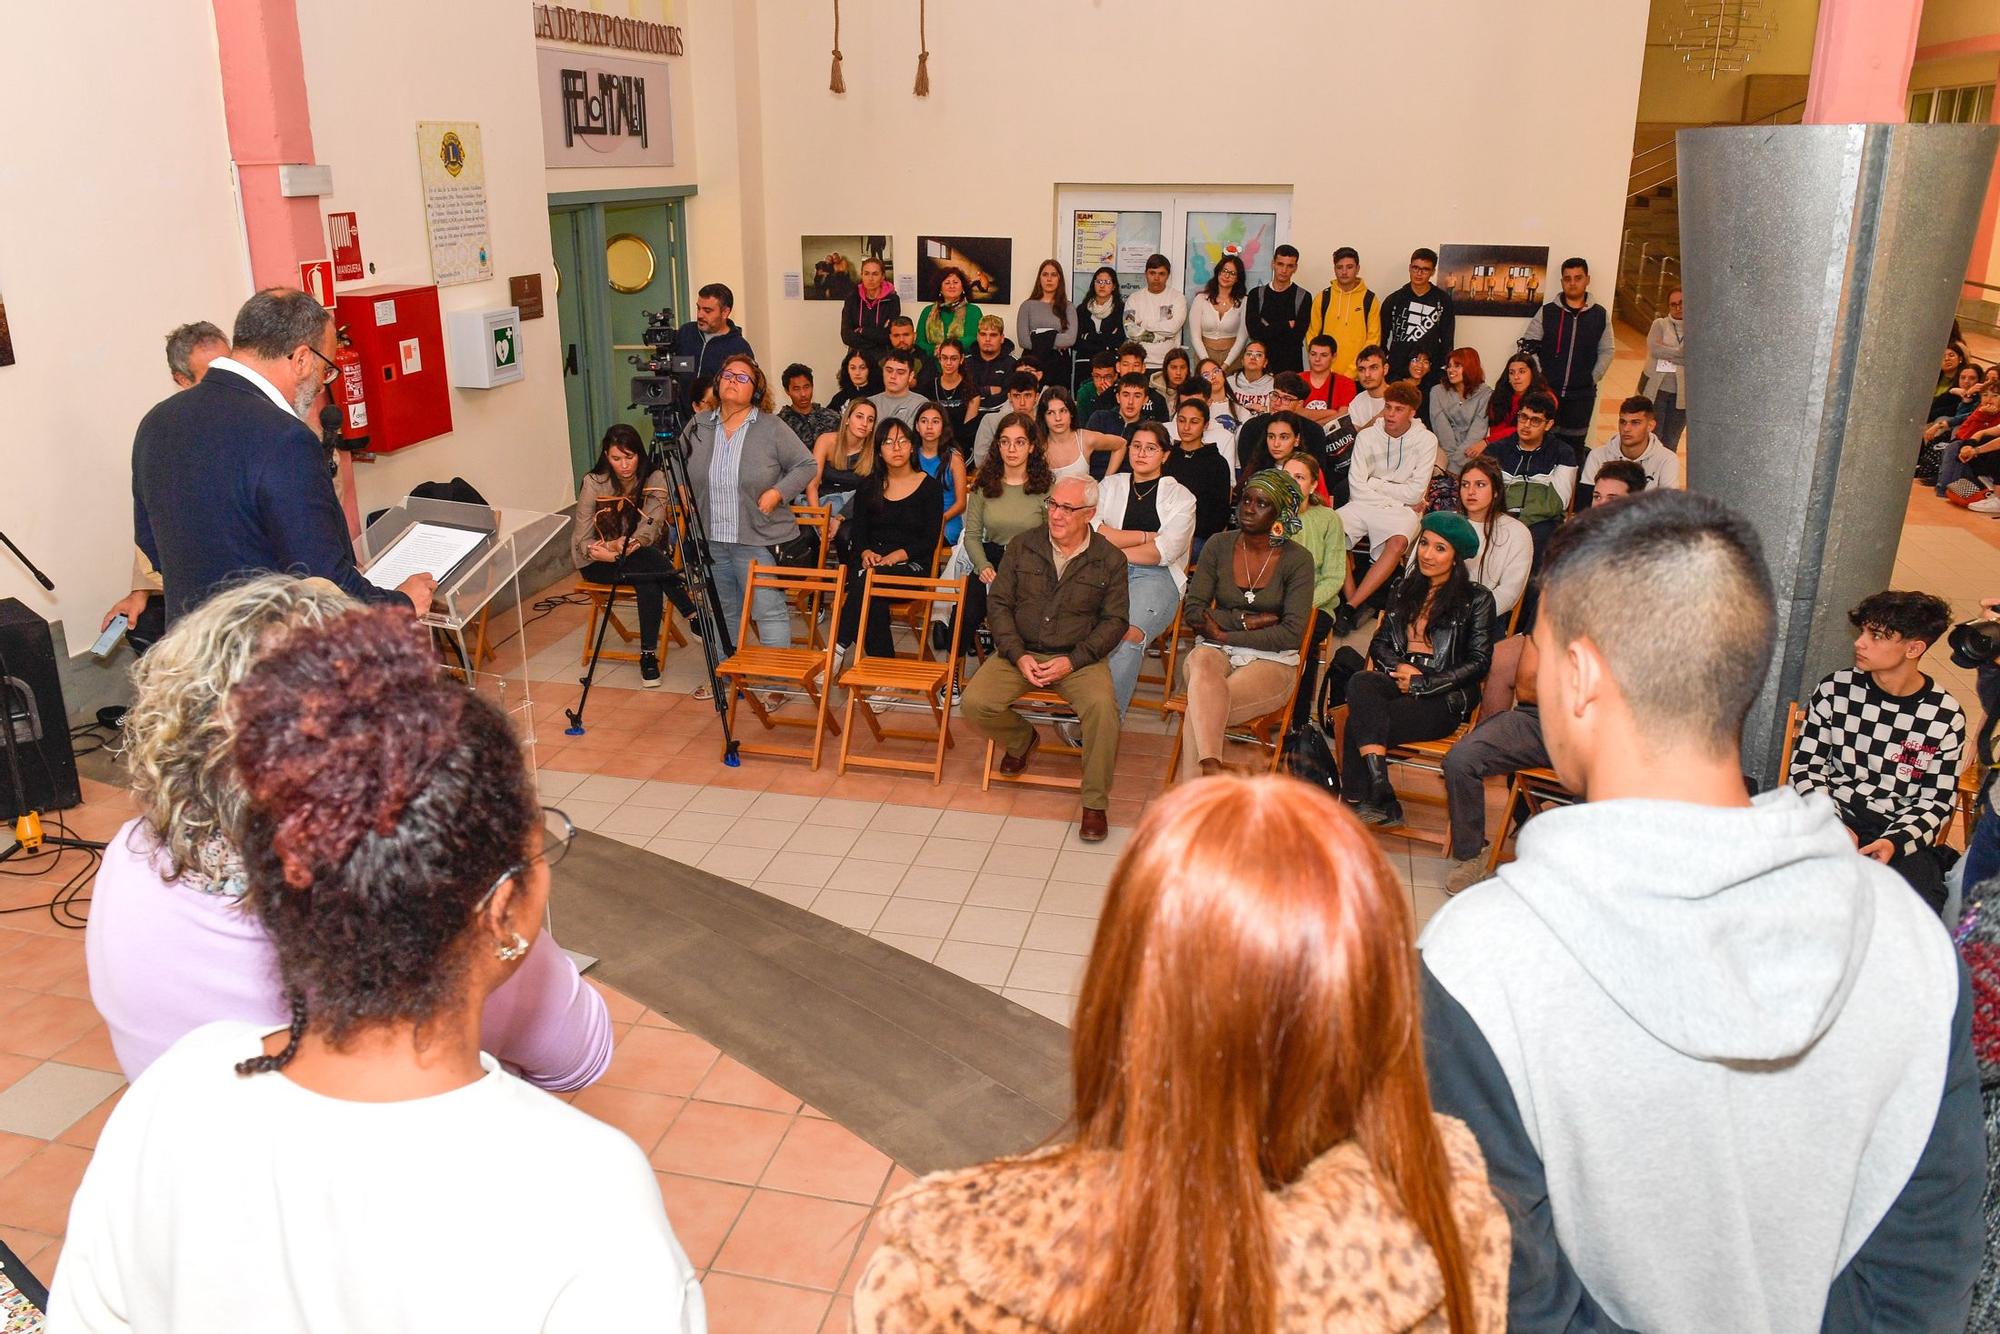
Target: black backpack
1309	758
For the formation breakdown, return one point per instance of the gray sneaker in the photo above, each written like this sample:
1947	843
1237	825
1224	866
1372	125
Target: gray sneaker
1070	730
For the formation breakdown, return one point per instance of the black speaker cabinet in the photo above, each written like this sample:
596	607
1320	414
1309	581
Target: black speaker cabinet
31	704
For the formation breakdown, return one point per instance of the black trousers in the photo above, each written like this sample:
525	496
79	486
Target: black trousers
1309	678
881	643
1922	869
975	598
1380	714
649	572
152	623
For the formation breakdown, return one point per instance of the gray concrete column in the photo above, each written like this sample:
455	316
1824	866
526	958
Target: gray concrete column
1820	265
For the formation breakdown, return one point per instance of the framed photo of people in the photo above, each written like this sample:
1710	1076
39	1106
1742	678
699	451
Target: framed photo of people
1494	279
832	264
986	261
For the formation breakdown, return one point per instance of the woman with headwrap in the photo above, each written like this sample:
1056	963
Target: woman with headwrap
1249	601
1429	655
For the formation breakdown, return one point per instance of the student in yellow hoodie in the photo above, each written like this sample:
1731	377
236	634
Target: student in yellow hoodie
1346	311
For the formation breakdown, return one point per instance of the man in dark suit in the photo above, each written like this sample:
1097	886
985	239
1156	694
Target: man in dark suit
228	479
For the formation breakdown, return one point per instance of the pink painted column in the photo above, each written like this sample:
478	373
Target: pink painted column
1980	267
1862	53
270	124
264	102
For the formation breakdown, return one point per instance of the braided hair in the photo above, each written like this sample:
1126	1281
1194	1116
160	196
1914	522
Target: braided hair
382	801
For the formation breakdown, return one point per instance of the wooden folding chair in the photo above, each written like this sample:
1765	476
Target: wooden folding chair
1170	644
1531	791
913	613
818	518
604	602
1045	706
809	670
921	678
1795	715
1268	731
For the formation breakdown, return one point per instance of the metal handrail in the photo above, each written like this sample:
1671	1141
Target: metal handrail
1633	191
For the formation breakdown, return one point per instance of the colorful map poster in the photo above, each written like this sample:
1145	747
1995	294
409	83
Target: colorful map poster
1251	237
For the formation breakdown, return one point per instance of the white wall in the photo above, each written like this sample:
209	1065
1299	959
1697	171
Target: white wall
1412	142
374	68
117	222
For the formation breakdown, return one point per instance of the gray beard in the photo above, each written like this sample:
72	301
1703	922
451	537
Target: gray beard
302	402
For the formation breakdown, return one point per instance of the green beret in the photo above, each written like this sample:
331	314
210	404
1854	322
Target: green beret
1455	529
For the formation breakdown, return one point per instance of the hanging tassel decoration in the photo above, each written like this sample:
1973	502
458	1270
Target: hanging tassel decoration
836	84
923	88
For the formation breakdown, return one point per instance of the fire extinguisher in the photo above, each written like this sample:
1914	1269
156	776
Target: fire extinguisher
350	394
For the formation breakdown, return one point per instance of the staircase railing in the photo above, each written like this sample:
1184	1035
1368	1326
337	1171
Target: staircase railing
1657	166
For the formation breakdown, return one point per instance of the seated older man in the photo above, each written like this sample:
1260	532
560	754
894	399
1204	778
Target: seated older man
1056	610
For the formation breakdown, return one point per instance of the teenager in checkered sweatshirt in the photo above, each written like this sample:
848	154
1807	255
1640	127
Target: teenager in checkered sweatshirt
1883	740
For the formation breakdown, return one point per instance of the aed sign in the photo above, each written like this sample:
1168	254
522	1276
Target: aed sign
603	111
485	347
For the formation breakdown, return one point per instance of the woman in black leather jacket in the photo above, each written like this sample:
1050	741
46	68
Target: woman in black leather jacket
1430	653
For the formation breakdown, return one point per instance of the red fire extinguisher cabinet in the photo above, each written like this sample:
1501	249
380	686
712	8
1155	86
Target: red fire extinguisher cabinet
400	338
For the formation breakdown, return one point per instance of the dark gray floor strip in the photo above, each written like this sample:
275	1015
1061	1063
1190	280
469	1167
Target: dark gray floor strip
932	1069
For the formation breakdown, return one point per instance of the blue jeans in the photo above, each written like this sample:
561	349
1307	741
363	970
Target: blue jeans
1154	595
732	576
1982	850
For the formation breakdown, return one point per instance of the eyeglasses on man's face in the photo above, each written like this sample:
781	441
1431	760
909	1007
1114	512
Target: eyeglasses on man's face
332	371
1071	509
558	833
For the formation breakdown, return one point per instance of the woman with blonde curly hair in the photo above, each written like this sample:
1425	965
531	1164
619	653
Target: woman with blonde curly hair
172	942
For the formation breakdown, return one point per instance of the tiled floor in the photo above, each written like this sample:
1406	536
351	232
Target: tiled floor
771	1199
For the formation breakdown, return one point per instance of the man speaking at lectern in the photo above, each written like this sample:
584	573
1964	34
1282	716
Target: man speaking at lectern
228	479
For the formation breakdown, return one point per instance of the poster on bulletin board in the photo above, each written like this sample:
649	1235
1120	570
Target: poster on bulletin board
1122	239
452	165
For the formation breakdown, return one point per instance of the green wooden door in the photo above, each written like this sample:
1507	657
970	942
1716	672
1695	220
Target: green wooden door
574	320
643	276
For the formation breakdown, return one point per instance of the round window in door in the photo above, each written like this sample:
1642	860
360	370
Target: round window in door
629	261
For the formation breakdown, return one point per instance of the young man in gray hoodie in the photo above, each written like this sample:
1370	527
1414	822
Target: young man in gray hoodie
1719	1063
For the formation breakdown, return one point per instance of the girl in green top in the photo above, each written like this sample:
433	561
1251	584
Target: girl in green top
1321	533
950	316
1008	497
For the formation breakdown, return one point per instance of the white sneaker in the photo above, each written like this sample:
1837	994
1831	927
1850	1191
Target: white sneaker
1990	505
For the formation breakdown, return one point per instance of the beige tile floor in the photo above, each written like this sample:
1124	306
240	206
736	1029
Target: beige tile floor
771	1200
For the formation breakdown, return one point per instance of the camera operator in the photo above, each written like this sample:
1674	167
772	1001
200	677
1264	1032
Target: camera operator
228	477
710	336
746	466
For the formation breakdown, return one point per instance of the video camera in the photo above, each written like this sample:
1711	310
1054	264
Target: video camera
661	384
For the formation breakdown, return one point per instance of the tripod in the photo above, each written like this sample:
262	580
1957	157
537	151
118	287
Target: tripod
669	455
28	836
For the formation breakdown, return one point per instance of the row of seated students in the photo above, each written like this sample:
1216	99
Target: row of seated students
1962	430
1283	1116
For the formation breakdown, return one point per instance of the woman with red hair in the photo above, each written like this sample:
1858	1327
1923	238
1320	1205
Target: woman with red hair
1458	407
1255	1147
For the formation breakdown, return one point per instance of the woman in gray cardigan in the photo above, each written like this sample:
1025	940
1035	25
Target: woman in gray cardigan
1665	379
746	467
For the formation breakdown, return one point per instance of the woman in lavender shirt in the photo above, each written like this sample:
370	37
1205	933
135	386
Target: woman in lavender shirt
171	944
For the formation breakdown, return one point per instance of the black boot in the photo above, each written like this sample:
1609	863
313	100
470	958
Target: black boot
1381	806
